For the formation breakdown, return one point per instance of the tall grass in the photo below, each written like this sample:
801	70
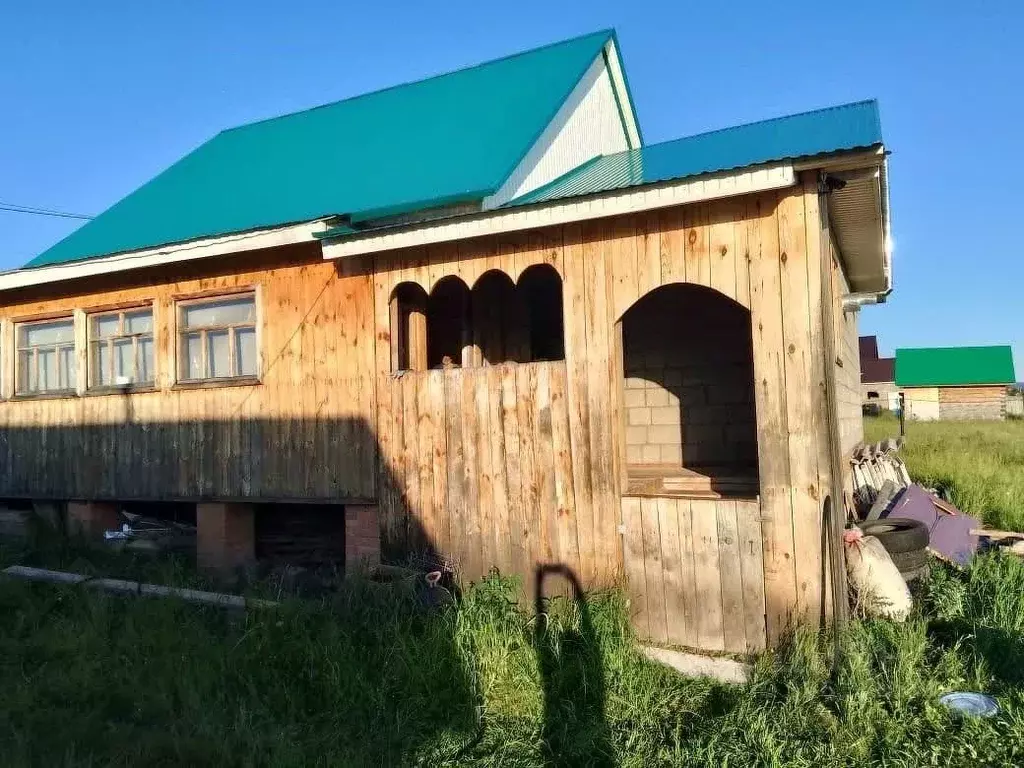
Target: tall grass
370	678
981	463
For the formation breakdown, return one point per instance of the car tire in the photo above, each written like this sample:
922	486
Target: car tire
897	534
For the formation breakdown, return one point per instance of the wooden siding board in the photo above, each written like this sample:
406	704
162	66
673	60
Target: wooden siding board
770	402
804	424
654	573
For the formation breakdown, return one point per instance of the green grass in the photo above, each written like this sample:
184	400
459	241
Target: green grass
370	679
981	463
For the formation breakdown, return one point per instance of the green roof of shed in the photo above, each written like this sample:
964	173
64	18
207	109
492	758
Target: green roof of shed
834	129
954	366
450	138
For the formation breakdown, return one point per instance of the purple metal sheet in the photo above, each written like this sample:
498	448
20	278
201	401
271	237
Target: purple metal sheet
949	535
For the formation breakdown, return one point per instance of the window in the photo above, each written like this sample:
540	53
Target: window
217	338
46	356
872	395
121	348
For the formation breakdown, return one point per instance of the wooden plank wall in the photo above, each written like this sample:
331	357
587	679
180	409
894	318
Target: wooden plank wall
304	433
479	470
848	386
695	572
753	250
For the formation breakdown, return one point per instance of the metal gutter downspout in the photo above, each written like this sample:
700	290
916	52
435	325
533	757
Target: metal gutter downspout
834	521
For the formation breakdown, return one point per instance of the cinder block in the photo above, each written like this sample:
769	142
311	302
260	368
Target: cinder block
639	417
651	454
656	397
634	454
672	454
635	398
667	415
635	382
673	377
636	435
665	435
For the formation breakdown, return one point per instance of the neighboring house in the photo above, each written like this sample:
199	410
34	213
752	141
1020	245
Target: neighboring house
476	318
955	382
877	376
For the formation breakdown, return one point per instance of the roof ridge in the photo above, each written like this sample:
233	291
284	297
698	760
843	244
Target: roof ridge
766	121
608	32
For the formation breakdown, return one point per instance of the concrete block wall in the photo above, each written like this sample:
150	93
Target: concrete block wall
689	383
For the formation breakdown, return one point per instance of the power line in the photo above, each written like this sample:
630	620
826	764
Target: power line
15	208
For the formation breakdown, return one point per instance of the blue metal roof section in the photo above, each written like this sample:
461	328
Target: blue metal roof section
834	129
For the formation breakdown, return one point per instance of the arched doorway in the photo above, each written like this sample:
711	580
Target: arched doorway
688	394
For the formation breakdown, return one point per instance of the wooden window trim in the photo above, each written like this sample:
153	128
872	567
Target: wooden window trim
93	344
16	350
178	330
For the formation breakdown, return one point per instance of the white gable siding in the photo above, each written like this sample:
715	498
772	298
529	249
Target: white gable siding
587	125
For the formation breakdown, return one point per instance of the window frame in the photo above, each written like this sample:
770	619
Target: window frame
181	303
16	349
91	342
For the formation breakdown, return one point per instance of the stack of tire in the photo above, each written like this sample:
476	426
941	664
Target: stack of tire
905	540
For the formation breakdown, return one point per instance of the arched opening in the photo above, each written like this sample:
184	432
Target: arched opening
540	290
408	328
688	394
449	341
499	330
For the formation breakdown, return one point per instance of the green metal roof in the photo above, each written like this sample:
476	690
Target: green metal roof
450	138
954	366
846	127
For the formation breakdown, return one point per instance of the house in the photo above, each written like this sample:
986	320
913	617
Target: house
476	318
877	376
955	382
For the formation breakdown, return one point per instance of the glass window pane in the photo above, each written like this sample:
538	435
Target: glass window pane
26	372
194	356
124	362
55	332
47	370
138	322
66	368
144	374
218	354
220	312
105	326
101	361
245	351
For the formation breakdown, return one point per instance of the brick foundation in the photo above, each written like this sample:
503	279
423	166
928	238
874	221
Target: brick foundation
91	518
362	536
225	536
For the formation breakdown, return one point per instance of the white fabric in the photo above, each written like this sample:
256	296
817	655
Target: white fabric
881	590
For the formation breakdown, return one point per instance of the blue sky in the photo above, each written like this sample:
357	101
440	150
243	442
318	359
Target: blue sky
96	98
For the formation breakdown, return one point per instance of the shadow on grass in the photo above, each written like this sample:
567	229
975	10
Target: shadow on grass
575	731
